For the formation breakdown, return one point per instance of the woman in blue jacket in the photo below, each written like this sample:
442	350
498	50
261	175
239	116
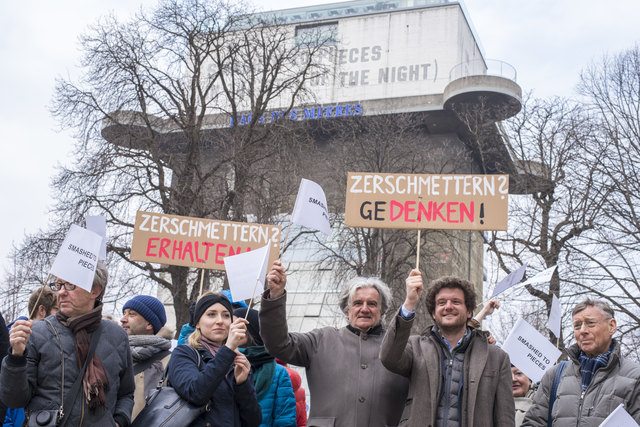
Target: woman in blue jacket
271	380
223	379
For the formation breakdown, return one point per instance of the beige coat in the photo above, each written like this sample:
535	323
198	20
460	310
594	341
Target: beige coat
487	396
348	385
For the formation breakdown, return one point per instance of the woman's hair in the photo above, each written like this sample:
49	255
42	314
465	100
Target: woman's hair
194	337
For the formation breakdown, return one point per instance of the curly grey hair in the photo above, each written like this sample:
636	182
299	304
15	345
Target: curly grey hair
359	282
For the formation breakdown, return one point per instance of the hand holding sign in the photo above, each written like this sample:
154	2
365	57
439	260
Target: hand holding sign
414	289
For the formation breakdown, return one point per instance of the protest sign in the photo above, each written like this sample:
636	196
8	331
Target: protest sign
98	224
511	280
77	257
310	209
543	277
454	202
530	351
246	272
619	418
197	242
555	316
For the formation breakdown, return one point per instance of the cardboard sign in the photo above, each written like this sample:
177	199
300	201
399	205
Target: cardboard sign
246	273
454	202
530	351
78	257
197	242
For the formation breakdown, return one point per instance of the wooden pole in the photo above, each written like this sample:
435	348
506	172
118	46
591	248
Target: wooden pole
35	307
201	282
418	252
251	300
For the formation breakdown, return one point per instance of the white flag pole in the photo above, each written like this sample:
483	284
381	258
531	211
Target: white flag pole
251	300
286	236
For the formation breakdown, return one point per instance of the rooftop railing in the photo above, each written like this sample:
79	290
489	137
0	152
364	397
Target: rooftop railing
486	67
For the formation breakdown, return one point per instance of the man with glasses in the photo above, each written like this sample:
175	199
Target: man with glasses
597	377
47	356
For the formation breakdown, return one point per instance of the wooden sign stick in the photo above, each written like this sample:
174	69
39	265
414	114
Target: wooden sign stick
35	307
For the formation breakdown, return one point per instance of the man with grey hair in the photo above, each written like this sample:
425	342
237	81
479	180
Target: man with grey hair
47	356
597	378
349	387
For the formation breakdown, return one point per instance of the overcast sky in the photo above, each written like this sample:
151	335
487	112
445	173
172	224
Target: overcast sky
548	42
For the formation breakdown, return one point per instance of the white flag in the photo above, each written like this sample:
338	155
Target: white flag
310	209
530	351
77	257
511	280
246	272
555	317
619	418
98	224
543	277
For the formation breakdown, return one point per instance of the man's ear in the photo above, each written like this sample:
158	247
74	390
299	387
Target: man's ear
149	327
42	312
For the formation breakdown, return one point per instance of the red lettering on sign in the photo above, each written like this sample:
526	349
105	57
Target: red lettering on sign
150	246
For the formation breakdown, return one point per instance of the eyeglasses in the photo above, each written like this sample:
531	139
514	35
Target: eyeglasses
56	286
590	324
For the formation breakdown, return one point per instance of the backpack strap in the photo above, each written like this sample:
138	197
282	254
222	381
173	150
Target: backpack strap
142	366
554	388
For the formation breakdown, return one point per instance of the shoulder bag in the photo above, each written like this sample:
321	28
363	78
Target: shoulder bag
166	408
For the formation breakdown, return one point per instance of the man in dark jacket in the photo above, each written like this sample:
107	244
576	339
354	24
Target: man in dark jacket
143	318
349	387
456	377
597	378
35	374
4	346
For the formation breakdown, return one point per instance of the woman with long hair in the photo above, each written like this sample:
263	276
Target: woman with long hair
220	377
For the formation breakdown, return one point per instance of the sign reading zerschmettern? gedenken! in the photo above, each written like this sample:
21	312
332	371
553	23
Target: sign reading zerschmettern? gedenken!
454	202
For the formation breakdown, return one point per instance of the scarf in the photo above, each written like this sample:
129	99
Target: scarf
213	347
145	346
264	366
589	365
95	383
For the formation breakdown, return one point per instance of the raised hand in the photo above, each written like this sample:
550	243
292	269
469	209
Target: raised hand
19	335
414	289
276	279
237	333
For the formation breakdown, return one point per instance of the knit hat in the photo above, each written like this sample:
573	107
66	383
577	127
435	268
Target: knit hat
207	301
254	324
150	308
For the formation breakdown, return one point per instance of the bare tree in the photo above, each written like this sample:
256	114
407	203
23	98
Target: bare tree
173	114
611	87
550	137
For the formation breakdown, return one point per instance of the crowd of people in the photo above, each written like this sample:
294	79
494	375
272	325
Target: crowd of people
67	365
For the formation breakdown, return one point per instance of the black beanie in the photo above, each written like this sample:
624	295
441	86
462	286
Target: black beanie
207	301
254	324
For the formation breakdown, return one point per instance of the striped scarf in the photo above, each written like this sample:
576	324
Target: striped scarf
589	365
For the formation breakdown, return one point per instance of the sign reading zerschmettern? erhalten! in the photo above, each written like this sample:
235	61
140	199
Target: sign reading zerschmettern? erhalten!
454	202
198	242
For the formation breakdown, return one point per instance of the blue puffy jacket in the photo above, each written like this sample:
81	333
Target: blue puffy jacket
279	404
